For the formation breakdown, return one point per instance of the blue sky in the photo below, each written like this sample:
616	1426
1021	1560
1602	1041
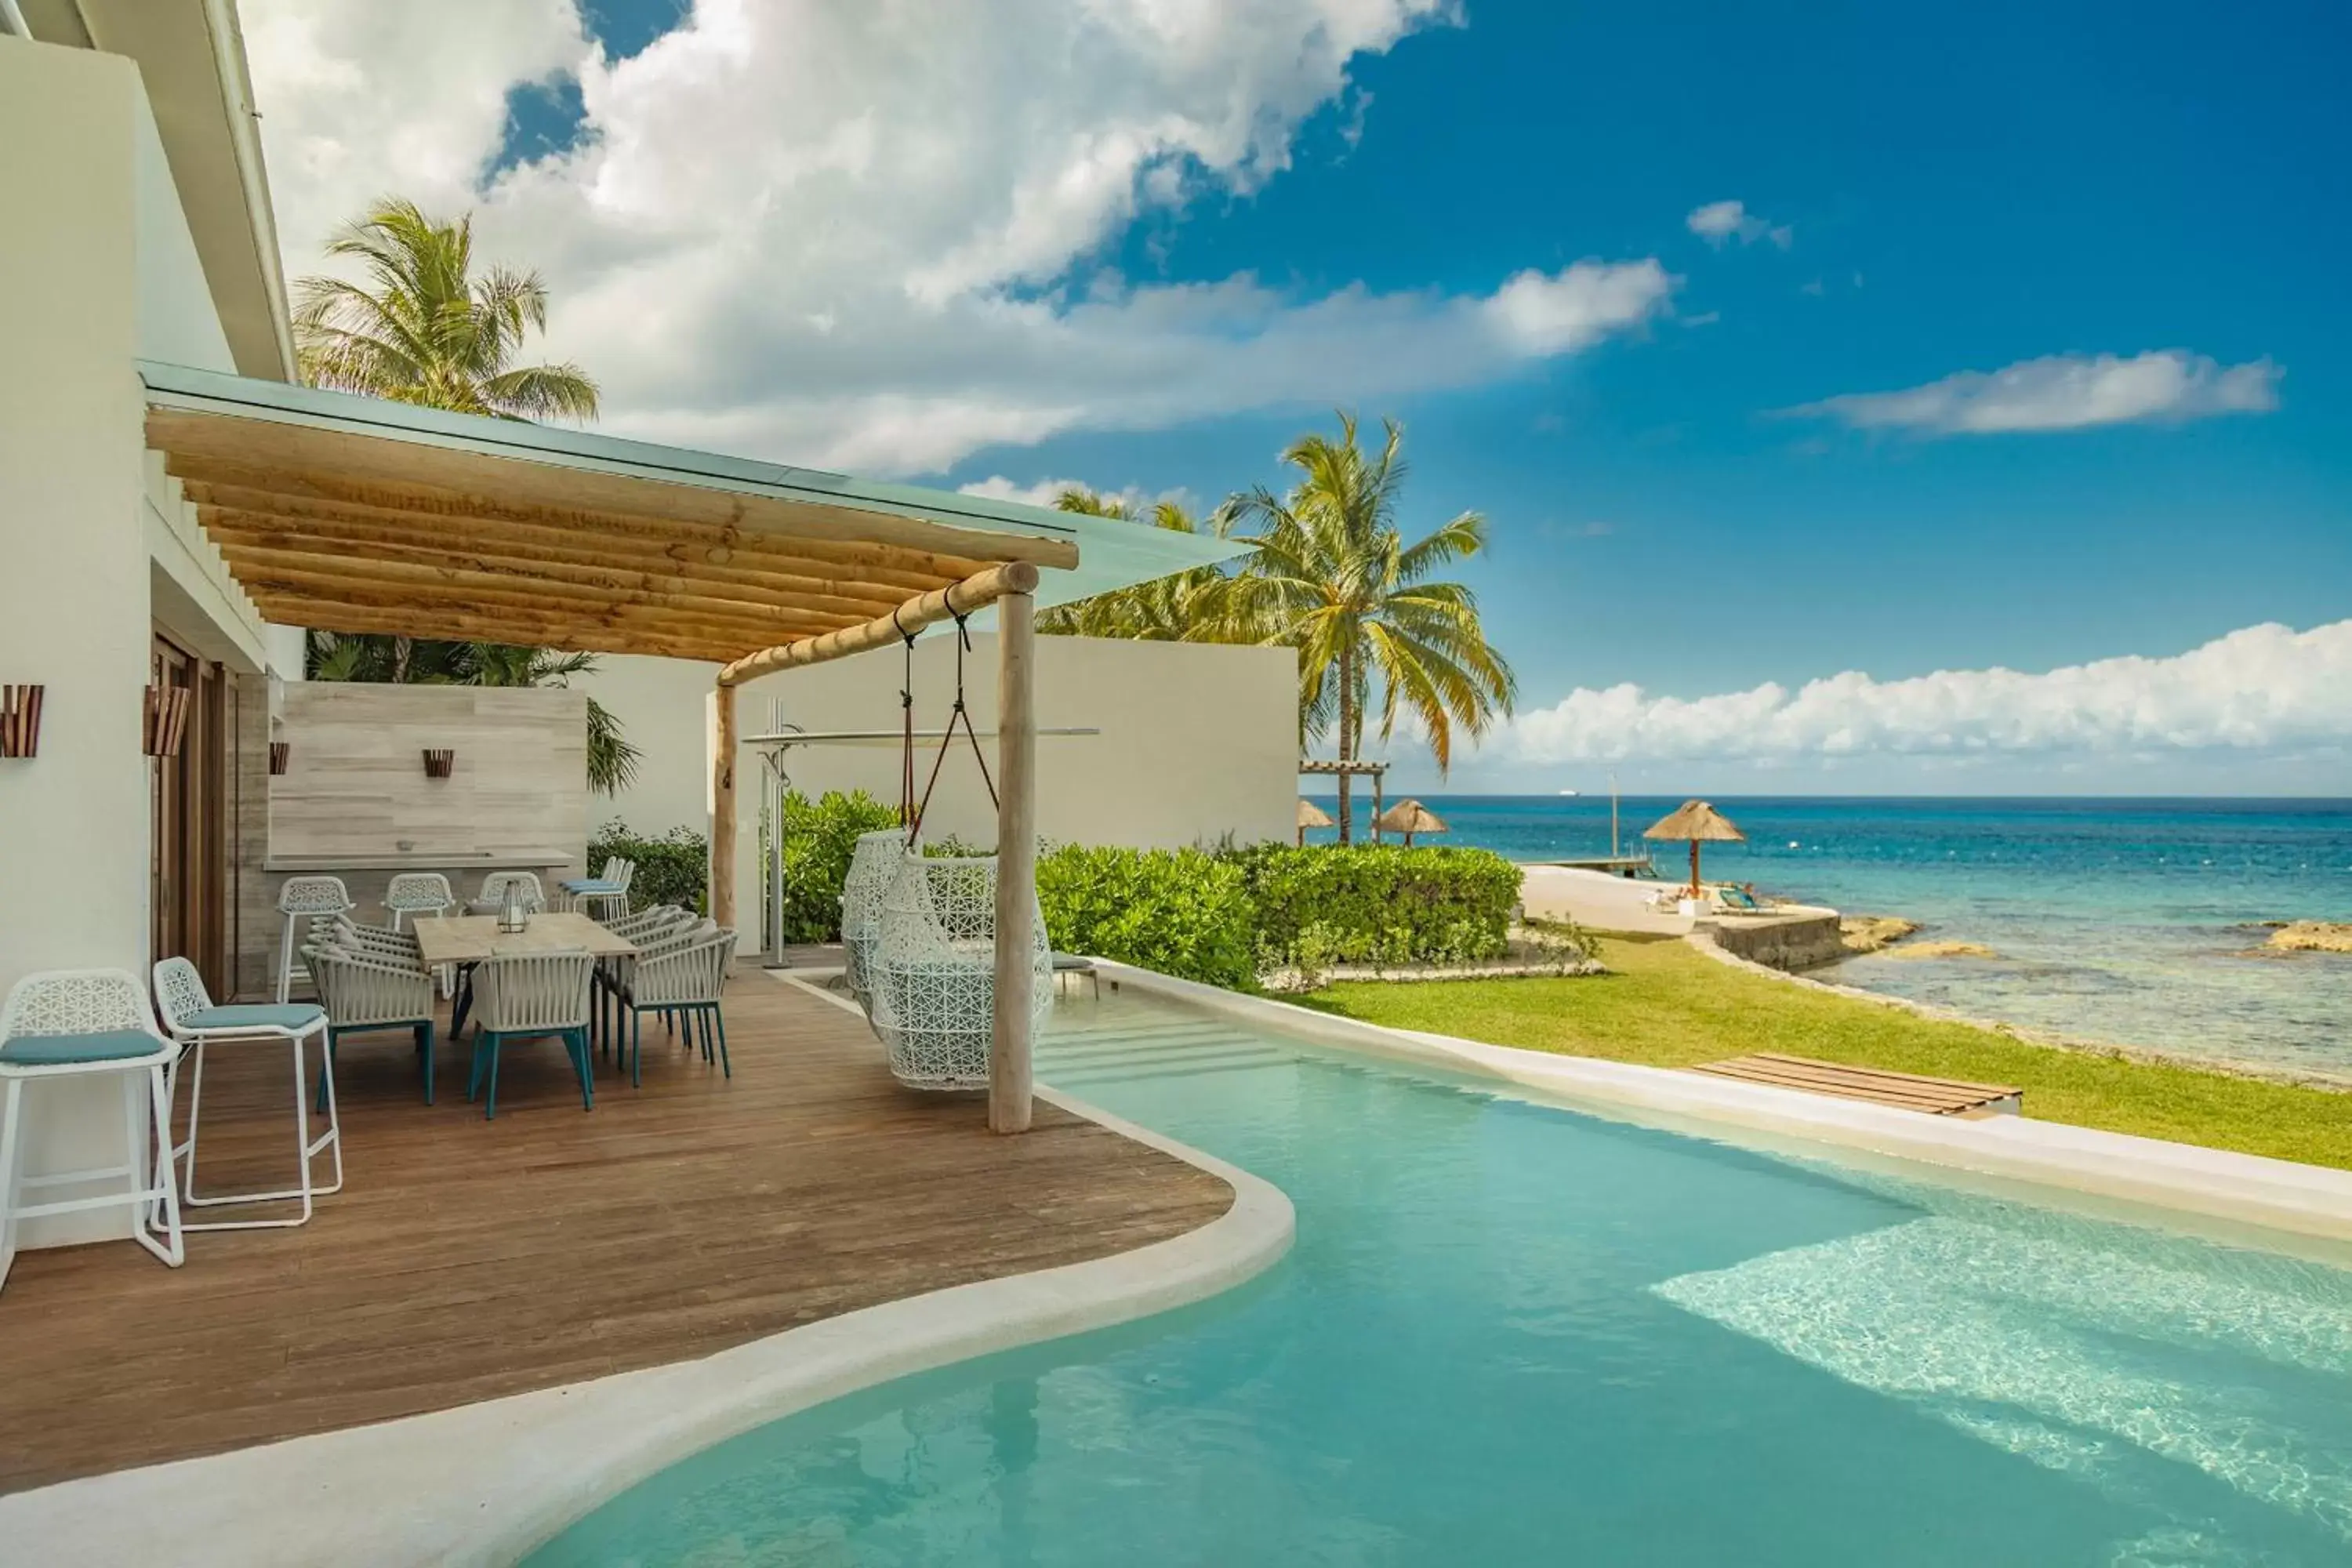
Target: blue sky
1926	190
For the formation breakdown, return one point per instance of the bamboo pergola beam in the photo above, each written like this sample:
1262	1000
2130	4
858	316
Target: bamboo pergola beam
264	536
878	568
956	599
332	615
483	484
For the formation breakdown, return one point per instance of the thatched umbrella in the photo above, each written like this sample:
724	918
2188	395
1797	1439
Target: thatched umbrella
1698	822
1311	815
1409	817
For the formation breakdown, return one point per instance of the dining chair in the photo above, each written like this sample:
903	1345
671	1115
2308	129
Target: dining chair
87	1022
301	898
533	995
367	992
684	982
191	1017
676	928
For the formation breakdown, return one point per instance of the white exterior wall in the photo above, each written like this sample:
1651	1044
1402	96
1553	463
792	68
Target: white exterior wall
1199	743
74	590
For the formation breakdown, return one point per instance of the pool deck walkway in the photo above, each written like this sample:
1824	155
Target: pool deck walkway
465	1260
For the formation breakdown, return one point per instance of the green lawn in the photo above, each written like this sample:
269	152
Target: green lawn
1668	1006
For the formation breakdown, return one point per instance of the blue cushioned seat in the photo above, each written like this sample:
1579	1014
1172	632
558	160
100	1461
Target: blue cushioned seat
64	1050
257	1015
590	885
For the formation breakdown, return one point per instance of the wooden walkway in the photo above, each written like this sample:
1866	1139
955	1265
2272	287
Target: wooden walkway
1908	1091
466	1260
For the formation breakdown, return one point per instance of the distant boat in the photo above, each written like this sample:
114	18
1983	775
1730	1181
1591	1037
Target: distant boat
1568	792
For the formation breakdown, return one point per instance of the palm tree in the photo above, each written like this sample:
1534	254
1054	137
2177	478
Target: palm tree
422	328
1187	606
611	761
1334	577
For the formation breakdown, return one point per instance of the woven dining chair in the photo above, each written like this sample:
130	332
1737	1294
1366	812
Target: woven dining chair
367	992
533	995
684	982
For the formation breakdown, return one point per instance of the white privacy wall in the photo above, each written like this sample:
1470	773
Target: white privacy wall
85	265
1198	742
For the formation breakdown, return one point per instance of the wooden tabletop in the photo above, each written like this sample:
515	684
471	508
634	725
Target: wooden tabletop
469	939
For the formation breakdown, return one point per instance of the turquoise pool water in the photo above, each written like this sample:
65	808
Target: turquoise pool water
1510	1335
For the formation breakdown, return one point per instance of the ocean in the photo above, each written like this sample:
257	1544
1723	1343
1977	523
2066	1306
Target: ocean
2134	922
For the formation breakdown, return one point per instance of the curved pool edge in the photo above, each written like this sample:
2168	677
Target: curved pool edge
2188	1180
488	1483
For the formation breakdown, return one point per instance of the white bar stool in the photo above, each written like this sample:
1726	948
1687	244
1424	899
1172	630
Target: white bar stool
79	1023
193	1019
418	893
298	900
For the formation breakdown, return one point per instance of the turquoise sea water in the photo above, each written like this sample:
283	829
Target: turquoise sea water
1516	1336
2129	920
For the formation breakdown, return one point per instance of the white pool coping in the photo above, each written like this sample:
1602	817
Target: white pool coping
484	1484
2279	1196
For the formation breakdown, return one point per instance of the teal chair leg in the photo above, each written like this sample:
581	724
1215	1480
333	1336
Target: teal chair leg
491	1109
726	1067
637	1050
577	1041
321	1106
427	1029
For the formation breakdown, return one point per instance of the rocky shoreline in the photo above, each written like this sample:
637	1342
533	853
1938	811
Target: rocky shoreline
2310	936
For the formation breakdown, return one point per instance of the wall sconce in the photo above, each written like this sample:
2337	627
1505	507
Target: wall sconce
437	764
279	751
20	721
164	721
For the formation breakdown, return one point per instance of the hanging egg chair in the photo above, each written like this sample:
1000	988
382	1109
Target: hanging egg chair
931	972
872	864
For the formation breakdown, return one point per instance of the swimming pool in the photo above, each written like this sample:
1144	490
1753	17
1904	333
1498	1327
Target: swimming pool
1513	1334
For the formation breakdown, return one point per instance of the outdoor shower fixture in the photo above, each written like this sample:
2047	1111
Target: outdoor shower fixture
20	721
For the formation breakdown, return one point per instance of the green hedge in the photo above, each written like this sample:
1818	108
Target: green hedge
1377	904
673	869
819	837
1183	912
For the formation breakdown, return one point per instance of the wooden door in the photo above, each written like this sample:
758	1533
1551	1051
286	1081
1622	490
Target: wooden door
189	871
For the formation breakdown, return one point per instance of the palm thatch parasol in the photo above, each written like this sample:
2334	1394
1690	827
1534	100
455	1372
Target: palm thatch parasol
1409	817
1311	815
1698	822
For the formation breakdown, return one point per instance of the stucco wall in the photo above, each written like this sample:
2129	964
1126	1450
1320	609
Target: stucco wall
74	604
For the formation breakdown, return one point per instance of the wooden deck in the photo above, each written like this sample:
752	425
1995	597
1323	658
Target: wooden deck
1906	1091
467	1260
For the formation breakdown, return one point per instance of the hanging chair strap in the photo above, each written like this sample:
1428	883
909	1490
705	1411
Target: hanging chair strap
906	727
959	714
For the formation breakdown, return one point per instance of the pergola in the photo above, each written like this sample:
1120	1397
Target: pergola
1350	767
351	514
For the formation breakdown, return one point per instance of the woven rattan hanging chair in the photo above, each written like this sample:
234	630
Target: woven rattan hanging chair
933	970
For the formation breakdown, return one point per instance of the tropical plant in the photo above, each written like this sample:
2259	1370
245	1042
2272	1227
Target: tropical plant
424	661
1333	576
672	869
423	328
1185	607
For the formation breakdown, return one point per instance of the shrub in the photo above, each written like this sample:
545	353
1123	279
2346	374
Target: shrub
819	837
673	869
1377	904
1183	912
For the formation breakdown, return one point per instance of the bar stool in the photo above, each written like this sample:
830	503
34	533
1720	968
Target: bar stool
298	900
193	1019
418	893
81	1023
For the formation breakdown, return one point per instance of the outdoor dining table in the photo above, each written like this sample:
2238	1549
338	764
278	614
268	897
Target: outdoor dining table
470	938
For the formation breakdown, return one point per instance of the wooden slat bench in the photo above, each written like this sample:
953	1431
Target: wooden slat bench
1935	1096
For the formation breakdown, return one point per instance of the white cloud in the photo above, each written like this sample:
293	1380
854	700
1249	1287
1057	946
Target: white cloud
1045	492
2262	688
1720	223
870	236
2064	391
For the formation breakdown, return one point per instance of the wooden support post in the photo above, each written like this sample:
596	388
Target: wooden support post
722	810
1016	868
1379	781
